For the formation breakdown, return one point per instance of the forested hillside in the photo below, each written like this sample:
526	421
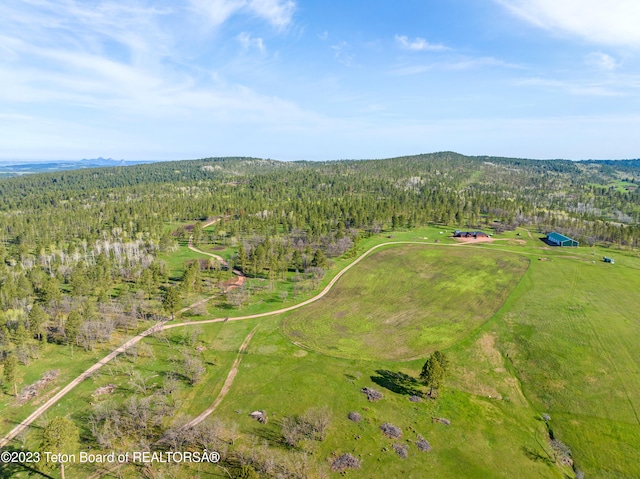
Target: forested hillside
88	240
591	198
89	256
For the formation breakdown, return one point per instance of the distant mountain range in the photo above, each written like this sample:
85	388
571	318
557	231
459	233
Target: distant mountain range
35	167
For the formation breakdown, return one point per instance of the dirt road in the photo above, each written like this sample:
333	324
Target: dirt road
163	325
227	383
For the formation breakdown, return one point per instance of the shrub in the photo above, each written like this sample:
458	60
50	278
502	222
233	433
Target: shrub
292	432
312	425
390	430
317	421
355	417
372	394
401	450
422	444
344	462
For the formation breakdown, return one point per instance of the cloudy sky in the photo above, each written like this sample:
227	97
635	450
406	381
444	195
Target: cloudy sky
316	80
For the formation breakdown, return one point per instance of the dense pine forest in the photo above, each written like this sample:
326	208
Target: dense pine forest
83	232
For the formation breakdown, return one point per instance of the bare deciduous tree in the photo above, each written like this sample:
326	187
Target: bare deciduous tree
192	367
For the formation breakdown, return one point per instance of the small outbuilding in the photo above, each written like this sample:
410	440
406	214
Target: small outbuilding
608	260
558	239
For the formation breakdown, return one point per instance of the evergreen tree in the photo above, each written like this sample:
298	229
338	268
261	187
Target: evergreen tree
197	234
242	258
50	290
72	326
442	359
37	320
191	278
319	259
258	258
79	280
11	372
432	374
171	300
21	335
146	282
60	436
297	260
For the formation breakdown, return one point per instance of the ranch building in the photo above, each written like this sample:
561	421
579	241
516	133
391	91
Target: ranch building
561	240
469	234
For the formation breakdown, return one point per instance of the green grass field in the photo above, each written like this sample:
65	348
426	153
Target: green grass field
406	302
487	438
572	335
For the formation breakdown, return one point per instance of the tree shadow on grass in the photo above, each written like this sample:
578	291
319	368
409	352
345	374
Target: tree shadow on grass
226	306
398	383
535	455
272	435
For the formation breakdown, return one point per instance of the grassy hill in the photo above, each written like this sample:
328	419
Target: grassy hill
425	300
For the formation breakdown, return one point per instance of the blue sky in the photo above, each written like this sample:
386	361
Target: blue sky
301	79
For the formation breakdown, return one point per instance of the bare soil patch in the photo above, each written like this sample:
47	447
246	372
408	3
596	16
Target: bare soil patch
484	239
233	283
108	389
487	345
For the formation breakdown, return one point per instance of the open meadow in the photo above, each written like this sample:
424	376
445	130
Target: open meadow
406	302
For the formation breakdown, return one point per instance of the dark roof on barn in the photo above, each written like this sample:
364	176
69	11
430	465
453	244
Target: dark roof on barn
469	233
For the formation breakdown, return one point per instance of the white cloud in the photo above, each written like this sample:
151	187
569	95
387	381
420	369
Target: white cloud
278	13
248	41
602	61
610	22
418	44
574	87
105	62
453	64
218	11
342	55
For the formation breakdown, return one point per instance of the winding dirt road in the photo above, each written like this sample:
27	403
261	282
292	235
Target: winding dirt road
218	258
162	326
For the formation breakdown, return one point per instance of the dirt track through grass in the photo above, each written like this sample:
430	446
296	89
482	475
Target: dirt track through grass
161	326
227	383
